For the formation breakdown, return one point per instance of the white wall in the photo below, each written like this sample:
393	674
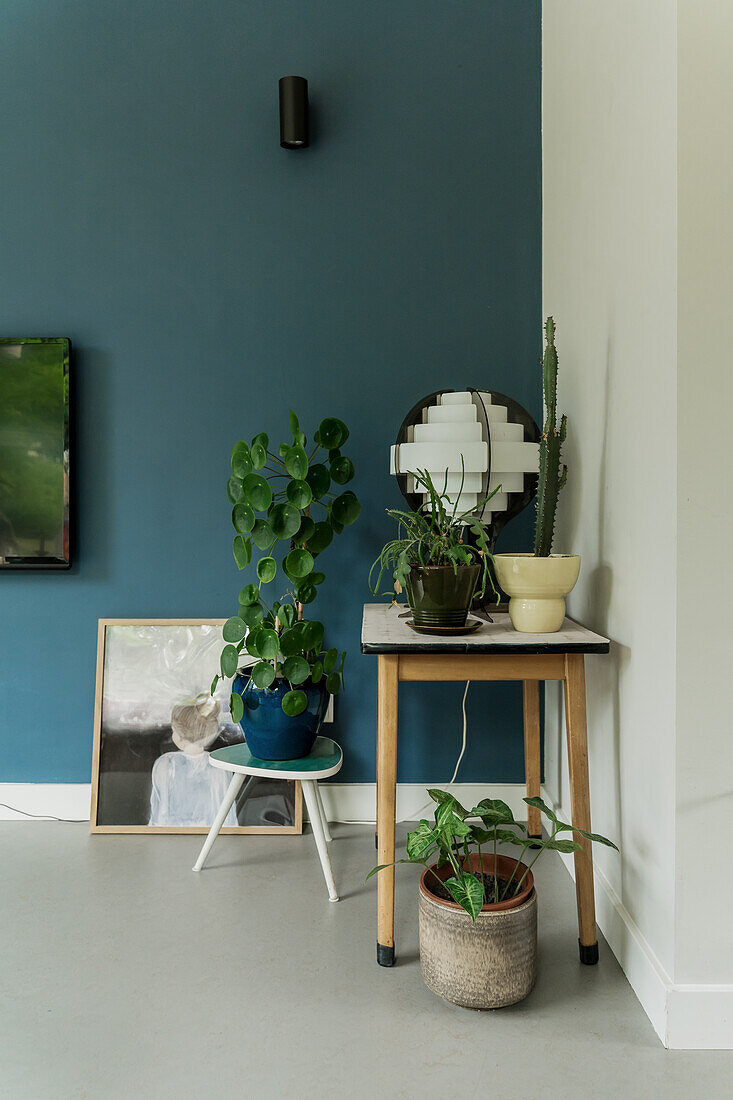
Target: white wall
609	149
704	940
638	272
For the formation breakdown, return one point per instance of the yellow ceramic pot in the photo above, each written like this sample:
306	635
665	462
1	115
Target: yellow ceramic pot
537	588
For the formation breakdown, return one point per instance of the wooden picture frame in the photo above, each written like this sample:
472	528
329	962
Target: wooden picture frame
94	824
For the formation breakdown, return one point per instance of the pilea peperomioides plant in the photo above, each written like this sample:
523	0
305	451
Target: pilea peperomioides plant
451	838
270	511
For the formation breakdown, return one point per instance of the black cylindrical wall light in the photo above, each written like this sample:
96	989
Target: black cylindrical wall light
293	112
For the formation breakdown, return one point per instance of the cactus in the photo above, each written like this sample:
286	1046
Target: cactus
552	476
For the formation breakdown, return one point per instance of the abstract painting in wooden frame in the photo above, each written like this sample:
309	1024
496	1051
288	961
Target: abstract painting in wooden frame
155	724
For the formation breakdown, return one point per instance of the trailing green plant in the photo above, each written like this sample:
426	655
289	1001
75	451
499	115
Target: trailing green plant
552	474
452	836
271	512
434	535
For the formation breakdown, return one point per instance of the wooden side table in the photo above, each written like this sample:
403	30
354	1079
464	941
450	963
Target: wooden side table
494	652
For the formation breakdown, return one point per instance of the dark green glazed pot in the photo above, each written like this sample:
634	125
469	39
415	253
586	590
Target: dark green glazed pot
439	596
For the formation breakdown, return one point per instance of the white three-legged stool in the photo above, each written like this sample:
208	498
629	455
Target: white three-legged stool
325	759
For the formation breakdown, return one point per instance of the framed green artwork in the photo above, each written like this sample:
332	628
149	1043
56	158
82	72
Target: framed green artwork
35	488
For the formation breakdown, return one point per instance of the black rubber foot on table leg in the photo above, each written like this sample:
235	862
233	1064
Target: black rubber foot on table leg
376	841
534	836
385	955
588	953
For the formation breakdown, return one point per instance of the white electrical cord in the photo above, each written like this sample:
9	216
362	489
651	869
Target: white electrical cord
415	816
41	817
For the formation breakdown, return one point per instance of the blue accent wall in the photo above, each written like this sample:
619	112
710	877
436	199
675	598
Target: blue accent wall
210	280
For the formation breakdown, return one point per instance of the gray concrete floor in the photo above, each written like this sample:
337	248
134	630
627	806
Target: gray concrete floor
124	976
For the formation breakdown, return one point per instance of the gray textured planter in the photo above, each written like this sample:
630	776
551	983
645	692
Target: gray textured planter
489	964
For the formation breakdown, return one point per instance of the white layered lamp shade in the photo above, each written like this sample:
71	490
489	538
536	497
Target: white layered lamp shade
470	431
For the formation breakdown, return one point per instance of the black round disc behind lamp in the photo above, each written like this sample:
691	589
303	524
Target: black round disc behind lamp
293	112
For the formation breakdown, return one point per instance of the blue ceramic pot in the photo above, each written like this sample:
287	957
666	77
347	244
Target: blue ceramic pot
270	734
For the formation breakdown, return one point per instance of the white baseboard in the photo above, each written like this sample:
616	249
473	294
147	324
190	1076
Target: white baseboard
357	802
343	801
69	801
700	1017
685	1017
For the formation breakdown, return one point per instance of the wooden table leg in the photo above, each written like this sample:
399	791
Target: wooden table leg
386	802
577	736
532	757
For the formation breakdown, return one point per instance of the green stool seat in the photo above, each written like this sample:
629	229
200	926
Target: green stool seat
325	759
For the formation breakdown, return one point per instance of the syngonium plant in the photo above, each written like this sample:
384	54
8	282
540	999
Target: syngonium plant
451	838
271	511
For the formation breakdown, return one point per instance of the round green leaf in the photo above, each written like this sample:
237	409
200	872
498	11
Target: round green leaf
243	517
320	538
228	661
249	594
234	629
294	425
299	438
251	641
298	564
332	433
286	614
242	550
312	634
266	569
317	672
236	705
333	683
259	455
234	489
306	592
317	578
345	508
306	529
262	534
267	643
263	439
296	669
214	682
299	493
296	461
251	614
262	674
291	640
283	449
330	657
336	527
319	480
258	492
241	459
294	703
342	470
284	520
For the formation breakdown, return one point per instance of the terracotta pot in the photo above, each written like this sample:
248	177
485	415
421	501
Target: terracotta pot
491	963
537	588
